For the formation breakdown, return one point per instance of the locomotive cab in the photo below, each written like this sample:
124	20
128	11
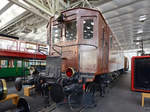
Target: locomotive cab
74	37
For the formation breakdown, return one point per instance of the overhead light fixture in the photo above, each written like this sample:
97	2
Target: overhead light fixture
56	31
35	30
88	27
56	35
137	43
140	31
92	23
142	18
138	38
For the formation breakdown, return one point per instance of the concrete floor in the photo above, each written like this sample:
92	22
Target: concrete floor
35	102
119	99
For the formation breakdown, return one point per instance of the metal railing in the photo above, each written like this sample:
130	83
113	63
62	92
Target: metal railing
20	46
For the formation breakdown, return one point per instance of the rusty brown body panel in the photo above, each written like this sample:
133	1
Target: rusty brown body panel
98	53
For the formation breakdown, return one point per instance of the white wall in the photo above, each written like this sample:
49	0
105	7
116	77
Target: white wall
130	53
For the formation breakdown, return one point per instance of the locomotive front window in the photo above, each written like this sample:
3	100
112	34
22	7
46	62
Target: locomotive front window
71	30
88	28
56	33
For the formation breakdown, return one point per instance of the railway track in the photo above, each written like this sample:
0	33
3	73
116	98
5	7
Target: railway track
53	107
82	110
49	108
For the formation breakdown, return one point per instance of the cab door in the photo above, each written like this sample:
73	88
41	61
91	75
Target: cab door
105	48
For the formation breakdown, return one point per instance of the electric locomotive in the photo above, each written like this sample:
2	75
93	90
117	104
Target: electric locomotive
84	57
85	46
85	43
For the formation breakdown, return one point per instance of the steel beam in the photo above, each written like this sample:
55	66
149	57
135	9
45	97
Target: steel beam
57	5
39	6
63	3
119	15
5	7
42	2
127	20
100	2
122	6
76	3
15	20
49	5
123	14
120	26
33	10
13	30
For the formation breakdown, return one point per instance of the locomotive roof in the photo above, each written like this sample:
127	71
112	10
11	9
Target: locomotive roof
85	9
89	9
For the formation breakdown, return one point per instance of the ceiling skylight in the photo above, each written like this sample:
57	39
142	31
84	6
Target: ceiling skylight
10	14
5	2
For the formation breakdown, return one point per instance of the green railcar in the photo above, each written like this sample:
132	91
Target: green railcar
10	67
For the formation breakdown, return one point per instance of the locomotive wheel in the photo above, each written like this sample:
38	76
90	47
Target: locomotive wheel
23	106
3	89
91	88
56	93
18	84
75	101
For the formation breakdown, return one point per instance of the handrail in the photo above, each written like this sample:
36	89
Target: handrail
60	53
76	45
57	51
